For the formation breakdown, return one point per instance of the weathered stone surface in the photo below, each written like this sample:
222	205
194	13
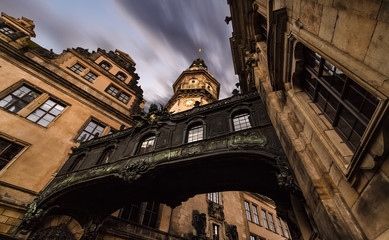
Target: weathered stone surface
353	34
349	194
377	55
374	219
296	9
384	12
310	16
328	21
325	2
365	8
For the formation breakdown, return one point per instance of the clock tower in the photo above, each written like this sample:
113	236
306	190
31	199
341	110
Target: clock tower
195	84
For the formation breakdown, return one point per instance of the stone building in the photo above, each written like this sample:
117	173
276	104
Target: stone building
48	104
321	67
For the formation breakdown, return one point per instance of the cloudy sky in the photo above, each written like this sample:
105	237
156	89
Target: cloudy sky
162	36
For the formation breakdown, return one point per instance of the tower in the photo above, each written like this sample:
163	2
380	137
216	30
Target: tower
194	84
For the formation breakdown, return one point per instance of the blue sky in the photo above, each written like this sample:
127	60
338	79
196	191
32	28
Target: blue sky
162	36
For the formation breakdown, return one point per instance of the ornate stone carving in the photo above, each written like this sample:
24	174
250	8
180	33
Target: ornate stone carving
199	222
285	177
155	117
135	169
33	215
60	232
231	232
215	210
91	229
248	140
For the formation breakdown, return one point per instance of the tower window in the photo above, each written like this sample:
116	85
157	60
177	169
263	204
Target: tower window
7	30
105	65
18	99
195	133
8	150
215	232
241	121
147	145
46	112
345	104
121	76
90	131
77	68
90	76
213	197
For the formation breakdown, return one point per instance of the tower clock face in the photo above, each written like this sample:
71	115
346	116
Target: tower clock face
189	102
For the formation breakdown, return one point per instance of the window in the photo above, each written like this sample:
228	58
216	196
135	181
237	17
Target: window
248	212
260	27
280	227
345	104
18	99
117	93
147	145
46	112
90	76
215	232
271	221
77	68
213	197
264	217
195	133
7	30
255	213
145	213
107	154
121	76
77	162
286	229
93	128
8	150
105	65
254	237
241	121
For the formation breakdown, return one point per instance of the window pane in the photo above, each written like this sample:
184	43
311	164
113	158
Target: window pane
90	130
241	121
264	217
18	99
256	219
8	150
195	133
45	114
248	212
147	145
280	227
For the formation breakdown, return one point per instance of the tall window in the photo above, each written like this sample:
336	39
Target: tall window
260	27
147	145
213	197
107	154
8	150
117	93
90	131
195	133
18	99
280	227
241	121
264	217
77	68
105	65
7	30
46	112
255	213
346	105
121	76
252	237
286	229
77	162
90	76
271	221
215	232
248	212
145	213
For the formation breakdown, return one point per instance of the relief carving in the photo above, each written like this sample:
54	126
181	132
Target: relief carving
199	222
135	169
216	211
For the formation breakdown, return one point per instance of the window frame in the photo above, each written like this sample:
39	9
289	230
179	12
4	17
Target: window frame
107	63
76	69
85	125
7	33
108	151
142	140
17	155
192	127
240	115
215	231
248	210
255	214
119	93
141	213
16	87
120	73
214	197
48	112
264	218
90	76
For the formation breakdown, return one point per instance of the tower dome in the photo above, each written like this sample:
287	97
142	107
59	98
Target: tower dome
198	64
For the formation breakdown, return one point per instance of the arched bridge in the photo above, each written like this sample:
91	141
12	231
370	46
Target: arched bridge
163	159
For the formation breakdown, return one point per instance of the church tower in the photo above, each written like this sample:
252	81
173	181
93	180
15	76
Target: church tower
196	84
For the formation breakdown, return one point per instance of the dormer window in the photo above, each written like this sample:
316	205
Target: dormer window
105	65
121	76
7	30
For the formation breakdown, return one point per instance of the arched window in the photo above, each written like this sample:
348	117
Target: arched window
147	144
121	76
195	133
105	65
107	154
241	121
77	163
